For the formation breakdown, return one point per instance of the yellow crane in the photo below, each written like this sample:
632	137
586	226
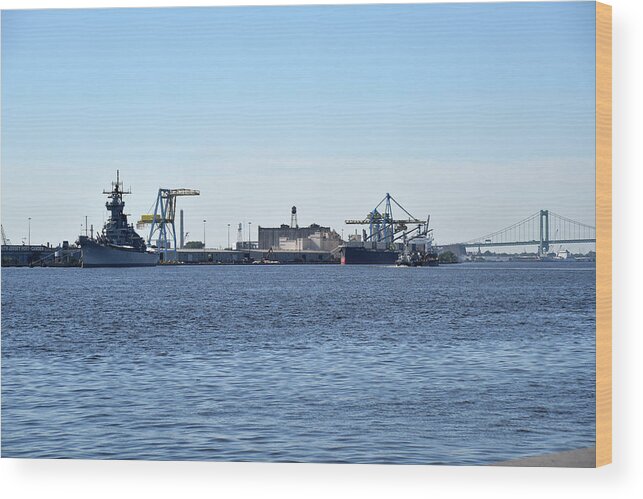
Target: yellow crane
161	222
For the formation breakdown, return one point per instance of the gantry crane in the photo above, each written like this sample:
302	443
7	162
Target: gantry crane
5	241
385	228
162	221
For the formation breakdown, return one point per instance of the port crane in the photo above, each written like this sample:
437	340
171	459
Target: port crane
162	230
385	228
5	240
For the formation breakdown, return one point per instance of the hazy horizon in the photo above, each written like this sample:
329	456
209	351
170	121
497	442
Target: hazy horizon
479	114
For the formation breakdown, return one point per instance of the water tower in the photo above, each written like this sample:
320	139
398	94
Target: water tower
293	218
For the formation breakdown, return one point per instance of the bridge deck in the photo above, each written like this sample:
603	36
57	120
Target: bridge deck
527	243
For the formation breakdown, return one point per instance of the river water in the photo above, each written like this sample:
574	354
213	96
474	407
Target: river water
460	364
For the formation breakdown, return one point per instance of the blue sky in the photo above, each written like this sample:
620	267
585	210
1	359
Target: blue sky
480	114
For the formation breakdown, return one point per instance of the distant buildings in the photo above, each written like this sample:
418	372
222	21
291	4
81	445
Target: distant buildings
21	255
285	237
295	238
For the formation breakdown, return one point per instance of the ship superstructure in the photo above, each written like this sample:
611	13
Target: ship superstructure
388	237
118	244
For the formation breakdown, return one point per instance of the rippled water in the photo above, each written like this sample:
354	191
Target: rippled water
459	364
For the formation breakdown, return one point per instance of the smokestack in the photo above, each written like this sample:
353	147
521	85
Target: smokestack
182	238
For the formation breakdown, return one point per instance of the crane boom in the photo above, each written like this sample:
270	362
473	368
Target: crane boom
367	221
162	221
384	227
5	241
184	192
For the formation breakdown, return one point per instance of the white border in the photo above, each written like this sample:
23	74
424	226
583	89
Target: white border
117	479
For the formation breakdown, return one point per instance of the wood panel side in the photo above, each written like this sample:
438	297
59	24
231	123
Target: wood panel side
603	234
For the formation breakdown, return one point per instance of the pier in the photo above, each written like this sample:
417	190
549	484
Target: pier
254	256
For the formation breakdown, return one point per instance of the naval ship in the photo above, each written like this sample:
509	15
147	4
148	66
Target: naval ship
118	245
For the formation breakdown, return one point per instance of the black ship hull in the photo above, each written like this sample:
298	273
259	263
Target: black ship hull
363	256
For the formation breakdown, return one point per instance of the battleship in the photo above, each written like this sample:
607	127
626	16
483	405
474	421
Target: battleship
118	245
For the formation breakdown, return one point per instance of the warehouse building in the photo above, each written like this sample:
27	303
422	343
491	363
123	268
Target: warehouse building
294	238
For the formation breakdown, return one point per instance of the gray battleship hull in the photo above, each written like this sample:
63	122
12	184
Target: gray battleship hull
97	255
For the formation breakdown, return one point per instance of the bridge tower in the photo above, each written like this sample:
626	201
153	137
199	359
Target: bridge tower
543	229
543	247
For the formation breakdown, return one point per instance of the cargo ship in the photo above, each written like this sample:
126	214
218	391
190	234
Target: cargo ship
118	245
389	238
351	255
419	254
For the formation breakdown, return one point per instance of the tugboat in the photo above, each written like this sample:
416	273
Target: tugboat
118	245
417	259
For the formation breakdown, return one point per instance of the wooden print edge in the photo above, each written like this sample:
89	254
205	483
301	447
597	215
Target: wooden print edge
603	234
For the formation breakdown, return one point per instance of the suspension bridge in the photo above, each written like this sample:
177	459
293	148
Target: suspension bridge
542	229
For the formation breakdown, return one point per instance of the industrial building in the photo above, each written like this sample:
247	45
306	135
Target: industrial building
22	255
294	238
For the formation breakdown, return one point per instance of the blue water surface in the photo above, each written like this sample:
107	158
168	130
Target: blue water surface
460	364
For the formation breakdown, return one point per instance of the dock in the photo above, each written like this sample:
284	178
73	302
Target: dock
244	256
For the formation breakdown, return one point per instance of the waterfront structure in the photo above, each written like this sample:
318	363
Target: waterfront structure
294	238
244	245
182	230
23	255
542	229
389	237
162	229
243	256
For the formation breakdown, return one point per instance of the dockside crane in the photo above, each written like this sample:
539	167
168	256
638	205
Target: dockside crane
385	228
5	241
162	230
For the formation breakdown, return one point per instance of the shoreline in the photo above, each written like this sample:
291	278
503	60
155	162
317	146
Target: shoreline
577	458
